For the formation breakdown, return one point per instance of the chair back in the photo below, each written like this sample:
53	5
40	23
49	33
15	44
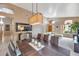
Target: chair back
12	53
39	36
12	44
45	38
54	40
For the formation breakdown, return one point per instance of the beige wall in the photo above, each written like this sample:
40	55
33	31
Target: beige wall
60	23
20	15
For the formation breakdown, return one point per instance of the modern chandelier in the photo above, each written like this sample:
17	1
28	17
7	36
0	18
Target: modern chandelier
37	17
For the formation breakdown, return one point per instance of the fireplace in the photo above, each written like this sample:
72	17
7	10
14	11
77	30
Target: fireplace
27	36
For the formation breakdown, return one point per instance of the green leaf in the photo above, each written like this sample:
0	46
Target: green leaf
75	26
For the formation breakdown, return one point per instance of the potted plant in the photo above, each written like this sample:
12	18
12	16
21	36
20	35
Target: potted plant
74	27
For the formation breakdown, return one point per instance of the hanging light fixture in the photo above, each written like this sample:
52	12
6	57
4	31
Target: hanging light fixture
37	18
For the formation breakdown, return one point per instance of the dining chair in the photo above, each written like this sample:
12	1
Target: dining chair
12	53
54	40
16	49
39	35
45	38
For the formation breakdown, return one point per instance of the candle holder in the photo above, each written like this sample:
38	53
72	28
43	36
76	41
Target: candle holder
33	41
39	45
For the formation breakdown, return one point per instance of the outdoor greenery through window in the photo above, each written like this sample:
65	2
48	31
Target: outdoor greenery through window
67	26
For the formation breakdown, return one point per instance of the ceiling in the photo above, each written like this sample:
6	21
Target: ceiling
53	9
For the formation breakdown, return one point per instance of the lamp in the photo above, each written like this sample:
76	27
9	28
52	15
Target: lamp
2	29
36	18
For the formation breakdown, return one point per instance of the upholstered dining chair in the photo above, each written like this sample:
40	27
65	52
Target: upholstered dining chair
54	40
12	44
39	35
12	53
45	38
16	49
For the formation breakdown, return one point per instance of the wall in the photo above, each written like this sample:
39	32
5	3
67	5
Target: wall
37	29
59	22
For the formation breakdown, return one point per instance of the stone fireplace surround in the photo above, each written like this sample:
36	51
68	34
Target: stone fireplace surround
25	35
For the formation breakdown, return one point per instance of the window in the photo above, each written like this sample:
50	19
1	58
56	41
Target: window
67	26
7	10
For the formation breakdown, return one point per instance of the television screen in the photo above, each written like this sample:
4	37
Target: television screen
23	27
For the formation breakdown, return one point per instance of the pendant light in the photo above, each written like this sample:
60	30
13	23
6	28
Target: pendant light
36	16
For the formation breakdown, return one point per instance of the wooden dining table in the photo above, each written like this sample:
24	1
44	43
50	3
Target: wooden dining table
26	49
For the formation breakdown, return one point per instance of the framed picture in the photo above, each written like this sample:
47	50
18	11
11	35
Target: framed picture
7	27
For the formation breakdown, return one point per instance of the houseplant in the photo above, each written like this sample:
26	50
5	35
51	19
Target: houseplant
74	27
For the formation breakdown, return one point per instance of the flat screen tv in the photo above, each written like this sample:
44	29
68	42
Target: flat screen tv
23	27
